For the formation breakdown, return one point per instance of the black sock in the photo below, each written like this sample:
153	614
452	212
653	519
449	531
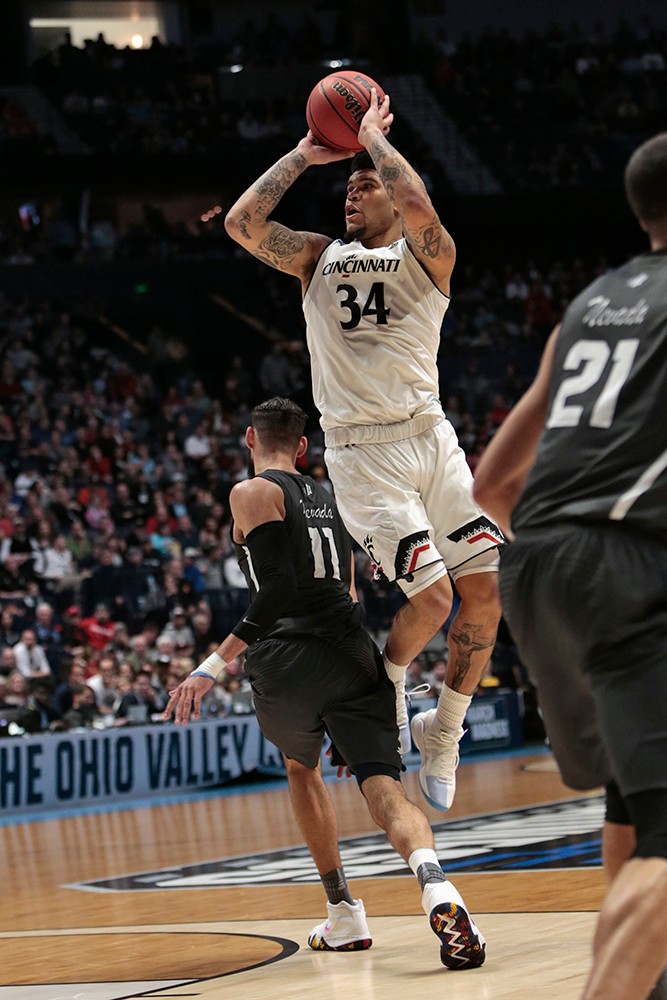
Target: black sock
428	872
335	886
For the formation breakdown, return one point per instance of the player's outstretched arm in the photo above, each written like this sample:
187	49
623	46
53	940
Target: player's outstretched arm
428	238
502	471
248	220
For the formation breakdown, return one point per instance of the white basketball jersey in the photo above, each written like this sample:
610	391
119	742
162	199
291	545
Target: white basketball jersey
373	321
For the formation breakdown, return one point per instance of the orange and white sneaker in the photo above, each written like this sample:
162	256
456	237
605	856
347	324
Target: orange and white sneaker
345	929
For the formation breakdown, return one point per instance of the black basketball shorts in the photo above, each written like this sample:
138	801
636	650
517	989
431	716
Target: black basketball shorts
304	686
587	609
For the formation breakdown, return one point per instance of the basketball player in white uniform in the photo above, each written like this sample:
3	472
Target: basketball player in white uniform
374	305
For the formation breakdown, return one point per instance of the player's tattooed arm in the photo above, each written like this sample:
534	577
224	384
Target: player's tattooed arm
249	223
272	185
426	235
280	247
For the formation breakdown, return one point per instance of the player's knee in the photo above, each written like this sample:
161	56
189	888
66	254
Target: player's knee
363	772
479	591
648	811
435	602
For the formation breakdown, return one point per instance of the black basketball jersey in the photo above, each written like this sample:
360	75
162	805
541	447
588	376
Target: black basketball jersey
603	453
321	554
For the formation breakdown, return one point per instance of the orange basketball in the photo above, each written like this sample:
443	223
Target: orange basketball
336	106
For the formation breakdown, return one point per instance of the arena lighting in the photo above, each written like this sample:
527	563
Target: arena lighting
336	63
236	68
137	41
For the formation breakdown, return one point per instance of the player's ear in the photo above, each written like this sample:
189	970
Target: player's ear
250	437
303	445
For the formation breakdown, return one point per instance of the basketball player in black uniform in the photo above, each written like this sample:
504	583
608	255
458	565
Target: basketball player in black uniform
578	475
315	670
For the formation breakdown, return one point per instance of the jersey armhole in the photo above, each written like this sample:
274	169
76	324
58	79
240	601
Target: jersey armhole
316	265
422	268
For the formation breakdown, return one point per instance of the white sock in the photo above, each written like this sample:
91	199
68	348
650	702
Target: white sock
395	673
422	856
451	710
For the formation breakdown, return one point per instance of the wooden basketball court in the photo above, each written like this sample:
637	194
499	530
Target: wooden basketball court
73	925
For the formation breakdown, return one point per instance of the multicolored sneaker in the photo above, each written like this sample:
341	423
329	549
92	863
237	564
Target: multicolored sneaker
462	945
344	930
440	758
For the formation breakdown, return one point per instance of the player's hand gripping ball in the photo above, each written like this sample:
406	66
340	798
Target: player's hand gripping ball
336	106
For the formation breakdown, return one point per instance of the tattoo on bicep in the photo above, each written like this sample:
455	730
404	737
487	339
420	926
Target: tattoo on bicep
431	240
280	245
467	639
272	185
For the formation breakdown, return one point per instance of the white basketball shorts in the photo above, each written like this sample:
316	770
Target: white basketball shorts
409	505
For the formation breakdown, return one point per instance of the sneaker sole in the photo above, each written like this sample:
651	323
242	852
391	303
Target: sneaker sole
319	944
417	732
461	947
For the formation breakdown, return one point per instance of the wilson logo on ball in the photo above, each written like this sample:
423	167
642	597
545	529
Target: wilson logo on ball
336	107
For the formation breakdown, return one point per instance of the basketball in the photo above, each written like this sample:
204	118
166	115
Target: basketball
336	106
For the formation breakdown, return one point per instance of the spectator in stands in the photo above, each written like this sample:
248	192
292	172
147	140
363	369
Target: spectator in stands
139	703
48	634
179	633
16	575
104	684
31	660
62	696
7	661
98	629
40	714
84	712
17	689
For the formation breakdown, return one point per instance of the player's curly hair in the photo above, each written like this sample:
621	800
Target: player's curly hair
646	180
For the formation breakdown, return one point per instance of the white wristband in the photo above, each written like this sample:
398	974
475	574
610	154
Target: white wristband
211	667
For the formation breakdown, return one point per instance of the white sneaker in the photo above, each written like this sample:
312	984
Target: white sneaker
403	699
402	718
344	930
440	758
462	945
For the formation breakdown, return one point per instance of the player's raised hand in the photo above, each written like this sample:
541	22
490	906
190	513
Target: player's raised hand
377	116
316	153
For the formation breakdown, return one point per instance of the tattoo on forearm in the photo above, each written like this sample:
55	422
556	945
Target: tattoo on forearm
243	225
272	185
279	246
467	639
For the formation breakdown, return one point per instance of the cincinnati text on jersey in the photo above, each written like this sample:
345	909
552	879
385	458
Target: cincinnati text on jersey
352	264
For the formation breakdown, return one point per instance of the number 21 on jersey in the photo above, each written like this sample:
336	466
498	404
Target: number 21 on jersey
592	358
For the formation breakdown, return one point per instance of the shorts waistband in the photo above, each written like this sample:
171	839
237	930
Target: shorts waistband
339	437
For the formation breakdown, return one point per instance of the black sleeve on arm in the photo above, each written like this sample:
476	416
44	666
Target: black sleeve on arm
271	556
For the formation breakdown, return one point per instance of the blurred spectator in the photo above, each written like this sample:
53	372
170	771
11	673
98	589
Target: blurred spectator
139	703
17	689
98	629
31	660
62	696
104	684
179	633
40	715
84	712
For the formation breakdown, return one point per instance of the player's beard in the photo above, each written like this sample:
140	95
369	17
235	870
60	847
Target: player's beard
350	235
